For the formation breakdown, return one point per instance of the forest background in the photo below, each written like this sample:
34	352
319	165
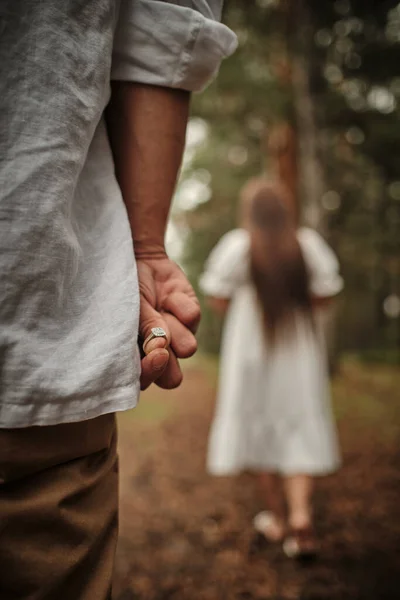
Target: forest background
312	95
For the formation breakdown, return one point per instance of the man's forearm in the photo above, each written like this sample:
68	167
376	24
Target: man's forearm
147	127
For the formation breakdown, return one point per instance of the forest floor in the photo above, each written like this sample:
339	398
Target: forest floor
187	536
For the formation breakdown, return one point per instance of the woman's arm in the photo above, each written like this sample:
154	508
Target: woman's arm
218	305
320	302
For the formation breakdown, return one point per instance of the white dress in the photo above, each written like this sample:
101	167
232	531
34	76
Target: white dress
273	408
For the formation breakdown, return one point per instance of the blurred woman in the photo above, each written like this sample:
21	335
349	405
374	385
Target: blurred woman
273	412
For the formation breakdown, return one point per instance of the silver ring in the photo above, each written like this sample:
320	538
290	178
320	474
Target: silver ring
156	332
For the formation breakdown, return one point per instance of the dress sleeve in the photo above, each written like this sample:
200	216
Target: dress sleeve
227	266
170	43
322	264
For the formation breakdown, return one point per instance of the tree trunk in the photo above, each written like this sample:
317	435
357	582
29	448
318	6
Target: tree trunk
282	161
311	180
311	174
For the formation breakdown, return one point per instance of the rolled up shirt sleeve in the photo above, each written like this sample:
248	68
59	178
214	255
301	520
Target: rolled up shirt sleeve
173	44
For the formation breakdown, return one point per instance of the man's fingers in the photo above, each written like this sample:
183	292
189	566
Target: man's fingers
185	308
172	376
156	343
183	342
150	318
153	366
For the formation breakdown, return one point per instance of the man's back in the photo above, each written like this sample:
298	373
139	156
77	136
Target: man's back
67	327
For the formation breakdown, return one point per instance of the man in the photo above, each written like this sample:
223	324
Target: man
86	168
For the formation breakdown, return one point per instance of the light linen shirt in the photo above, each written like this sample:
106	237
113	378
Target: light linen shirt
69	302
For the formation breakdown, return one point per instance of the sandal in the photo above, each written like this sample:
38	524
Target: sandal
265	523
301	544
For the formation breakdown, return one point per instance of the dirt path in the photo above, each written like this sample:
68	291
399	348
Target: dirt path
185	536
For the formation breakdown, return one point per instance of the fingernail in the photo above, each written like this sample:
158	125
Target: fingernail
159	362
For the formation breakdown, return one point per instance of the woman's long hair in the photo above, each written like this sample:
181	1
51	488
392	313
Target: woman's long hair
278	269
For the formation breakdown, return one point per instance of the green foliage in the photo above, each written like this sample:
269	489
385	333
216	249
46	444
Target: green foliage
355	88
357	106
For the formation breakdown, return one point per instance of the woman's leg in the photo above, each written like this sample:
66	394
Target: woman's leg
301	542
299	491
270	485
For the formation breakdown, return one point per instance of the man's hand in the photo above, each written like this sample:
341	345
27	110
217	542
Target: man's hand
147	127
167	300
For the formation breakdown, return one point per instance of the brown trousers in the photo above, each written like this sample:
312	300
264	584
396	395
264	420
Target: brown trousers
58	511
